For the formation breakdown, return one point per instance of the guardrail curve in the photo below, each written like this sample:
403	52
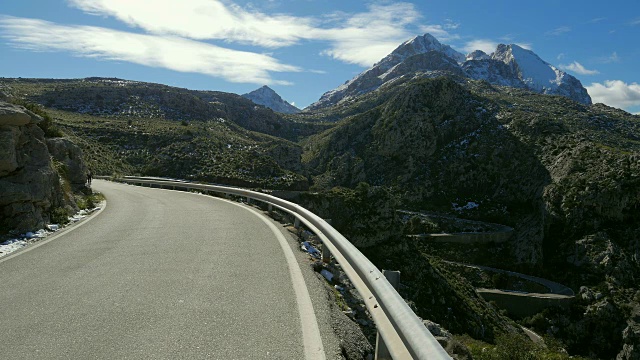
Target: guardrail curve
402	331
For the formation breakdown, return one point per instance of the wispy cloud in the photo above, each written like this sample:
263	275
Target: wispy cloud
577	68
613	58
615	93
560	56
169	52
635	22
364	38
203	19
359	38
558	31
596	20
451	25
488	46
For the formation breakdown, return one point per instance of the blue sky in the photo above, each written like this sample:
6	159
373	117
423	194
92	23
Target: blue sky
303	48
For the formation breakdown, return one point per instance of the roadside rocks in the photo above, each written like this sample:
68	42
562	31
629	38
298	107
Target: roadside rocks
70	156
30	186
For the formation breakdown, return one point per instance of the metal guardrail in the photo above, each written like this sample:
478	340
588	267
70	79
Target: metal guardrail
403	333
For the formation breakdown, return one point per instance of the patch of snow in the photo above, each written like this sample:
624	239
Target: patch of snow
469	206
10	246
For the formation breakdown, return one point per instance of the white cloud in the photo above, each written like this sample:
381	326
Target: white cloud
560	56
361	38
613	58
488	46
202	19
559	31
577	68
615	93
367	37
451	25
169	52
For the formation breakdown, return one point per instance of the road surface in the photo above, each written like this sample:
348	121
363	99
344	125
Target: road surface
157	275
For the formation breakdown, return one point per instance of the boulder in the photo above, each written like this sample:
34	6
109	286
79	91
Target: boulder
13	115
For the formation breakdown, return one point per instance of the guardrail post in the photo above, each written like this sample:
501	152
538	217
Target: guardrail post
270	208
326	254
382	352
296	223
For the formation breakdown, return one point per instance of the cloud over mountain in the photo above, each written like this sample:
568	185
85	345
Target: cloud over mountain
615	93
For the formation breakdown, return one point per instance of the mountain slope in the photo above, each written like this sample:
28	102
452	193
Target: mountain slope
267	97
424	56
562	174
150	129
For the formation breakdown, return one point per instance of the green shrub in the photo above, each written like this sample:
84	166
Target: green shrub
59	216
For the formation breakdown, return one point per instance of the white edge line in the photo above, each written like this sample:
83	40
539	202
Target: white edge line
313	348
62	232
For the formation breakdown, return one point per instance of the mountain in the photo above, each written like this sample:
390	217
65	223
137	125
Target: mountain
267	97
130	127
562	174
425	56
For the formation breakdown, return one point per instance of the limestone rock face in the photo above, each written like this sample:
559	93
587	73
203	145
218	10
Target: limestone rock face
30	186
70	155
13	115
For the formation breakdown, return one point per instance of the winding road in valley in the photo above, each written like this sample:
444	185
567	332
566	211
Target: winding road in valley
159	274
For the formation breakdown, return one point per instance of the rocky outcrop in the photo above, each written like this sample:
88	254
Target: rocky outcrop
69	156
30	186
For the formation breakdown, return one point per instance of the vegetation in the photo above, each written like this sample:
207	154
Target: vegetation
47	124
563	175
516	347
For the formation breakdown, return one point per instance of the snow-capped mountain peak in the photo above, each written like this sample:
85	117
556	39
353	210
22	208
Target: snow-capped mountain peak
267	97
419	45
534	72
424	56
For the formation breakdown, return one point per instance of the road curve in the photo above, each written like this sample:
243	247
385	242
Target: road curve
157	275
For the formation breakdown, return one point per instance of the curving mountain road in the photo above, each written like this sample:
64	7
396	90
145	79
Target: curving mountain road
159	275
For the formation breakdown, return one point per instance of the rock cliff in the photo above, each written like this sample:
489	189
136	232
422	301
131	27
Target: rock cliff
32	186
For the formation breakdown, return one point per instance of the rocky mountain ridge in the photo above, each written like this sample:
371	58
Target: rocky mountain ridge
424	56
266	96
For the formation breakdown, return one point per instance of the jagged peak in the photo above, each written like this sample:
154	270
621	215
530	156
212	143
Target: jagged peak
419	45
266	96
477	55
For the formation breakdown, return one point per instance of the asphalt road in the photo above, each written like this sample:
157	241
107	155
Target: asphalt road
157	275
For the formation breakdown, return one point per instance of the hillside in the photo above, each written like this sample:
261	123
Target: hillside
129	127
564	175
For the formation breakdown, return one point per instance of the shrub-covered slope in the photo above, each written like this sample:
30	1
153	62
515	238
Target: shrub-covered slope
564	175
